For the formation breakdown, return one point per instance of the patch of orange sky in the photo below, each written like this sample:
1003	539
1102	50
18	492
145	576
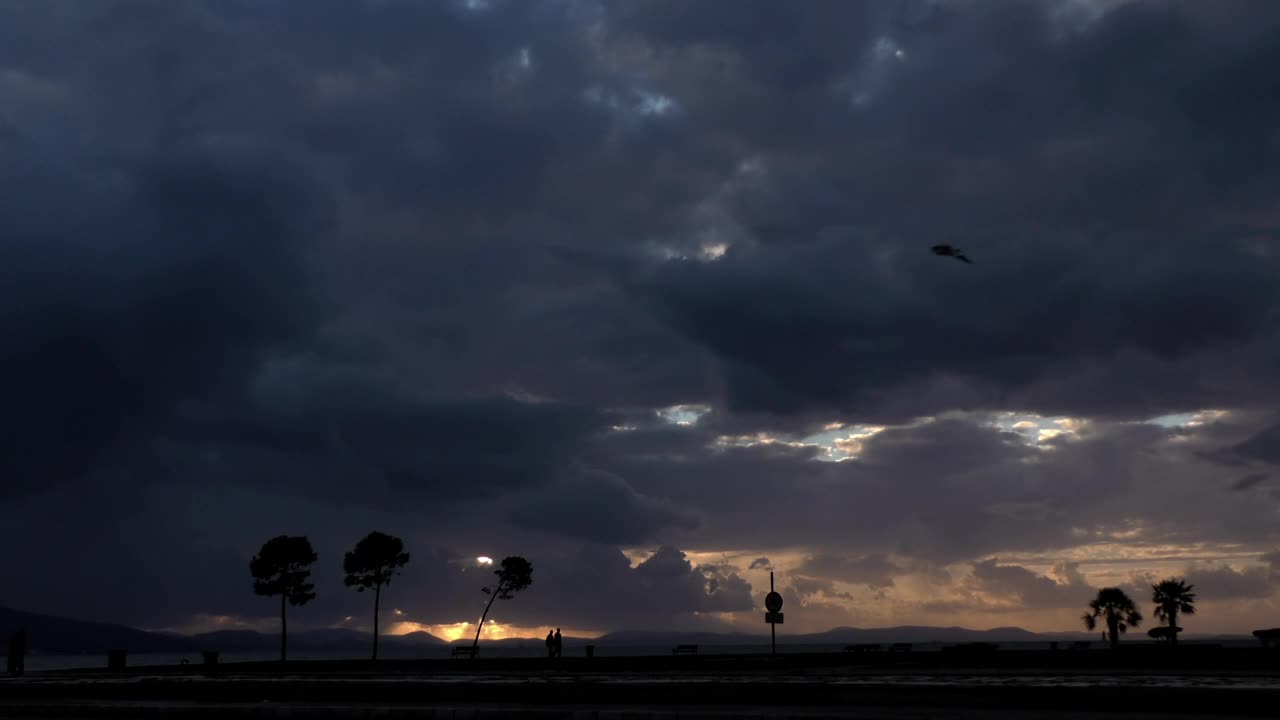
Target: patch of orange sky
1112	556
492	631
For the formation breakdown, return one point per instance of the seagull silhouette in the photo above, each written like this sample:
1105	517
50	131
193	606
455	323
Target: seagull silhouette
951	251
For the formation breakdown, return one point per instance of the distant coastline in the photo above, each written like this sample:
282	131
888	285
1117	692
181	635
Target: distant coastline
57	636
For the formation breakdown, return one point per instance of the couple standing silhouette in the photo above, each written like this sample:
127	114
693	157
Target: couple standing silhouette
18	653
554	648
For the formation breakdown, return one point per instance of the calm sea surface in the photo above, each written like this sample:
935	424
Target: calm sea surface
67	662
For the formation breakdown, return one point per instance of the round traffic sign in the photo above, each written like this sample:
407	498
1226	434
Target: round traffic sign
773	602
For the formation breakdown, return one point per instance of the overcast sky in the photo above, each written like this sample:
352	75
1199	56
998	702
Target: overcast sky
641	290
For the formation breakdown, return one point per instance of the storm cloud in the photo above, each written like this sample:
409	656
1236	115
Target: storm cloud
642	291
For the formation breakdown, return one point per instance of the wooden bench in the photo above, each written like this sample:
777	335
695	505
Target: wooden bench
684	650
900	647
862	647
467	650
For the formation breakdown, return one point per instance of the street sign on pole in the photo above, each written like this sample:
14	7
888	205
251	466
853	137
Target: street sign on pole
773	603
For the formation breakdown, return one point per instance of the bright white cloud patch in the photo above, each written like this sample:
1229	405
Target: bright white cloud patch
683	414
650	103
840	441
631	106
1039	430
1192	419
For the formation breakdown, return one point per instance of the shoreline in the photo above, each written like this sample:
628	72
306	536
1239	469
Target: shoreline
1134	659
1225	684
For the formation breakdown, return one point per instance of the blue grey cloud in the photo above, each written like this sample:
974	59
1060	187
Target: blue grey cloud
439	265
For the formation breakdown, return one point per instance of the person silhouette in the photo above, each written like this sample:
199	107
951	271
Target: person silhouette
17	653
551	644
559	647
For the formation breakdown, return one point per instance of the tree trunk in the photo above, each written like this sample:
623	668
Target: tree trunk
493	596
1113	632
377	600
284	630
1173	625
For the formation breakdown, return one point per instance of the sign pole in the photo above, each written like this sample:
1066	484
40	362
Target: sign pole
773	604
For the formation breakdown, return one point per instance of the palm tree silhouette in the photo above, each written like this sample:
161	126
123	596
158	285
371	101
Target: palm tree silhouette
1171	597
1116	609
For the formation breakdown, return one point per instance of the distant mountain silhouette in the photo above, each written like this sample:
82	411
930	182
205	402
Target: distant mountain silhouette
50	634
414	638
851	635
922	634
526	642
640	638
326	640
836	636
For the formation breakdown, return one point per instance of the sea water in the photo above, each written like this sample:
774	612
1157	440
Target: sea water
36	663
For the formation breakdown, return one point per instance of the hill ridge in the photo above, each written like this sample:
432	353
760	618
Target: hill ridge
54	634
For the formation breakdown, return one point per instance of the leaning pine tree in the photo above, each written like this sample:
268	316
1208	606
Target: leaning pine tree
514	574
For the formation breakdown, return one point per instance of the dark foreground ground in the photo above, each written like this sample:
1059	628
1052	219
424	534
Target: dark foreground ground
1007	684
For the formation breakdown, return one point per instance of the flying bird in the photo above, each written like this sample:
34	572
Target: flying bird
951	251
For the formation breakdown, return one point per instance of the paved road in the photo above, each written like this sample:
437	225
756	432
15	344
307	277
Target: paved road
301	711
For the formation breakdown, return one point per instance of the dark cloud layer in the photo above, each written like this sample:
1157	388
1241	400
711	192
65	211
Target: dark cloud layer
599	507
437	267
163	280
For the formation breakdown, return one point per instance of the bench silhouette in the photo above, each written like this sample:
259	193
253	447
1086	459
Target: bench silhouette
684	650
1269	638
468	650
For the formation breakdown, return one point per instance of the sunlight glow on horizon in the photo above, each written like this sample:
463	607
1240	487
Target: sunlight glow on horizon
1102	556
453	632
